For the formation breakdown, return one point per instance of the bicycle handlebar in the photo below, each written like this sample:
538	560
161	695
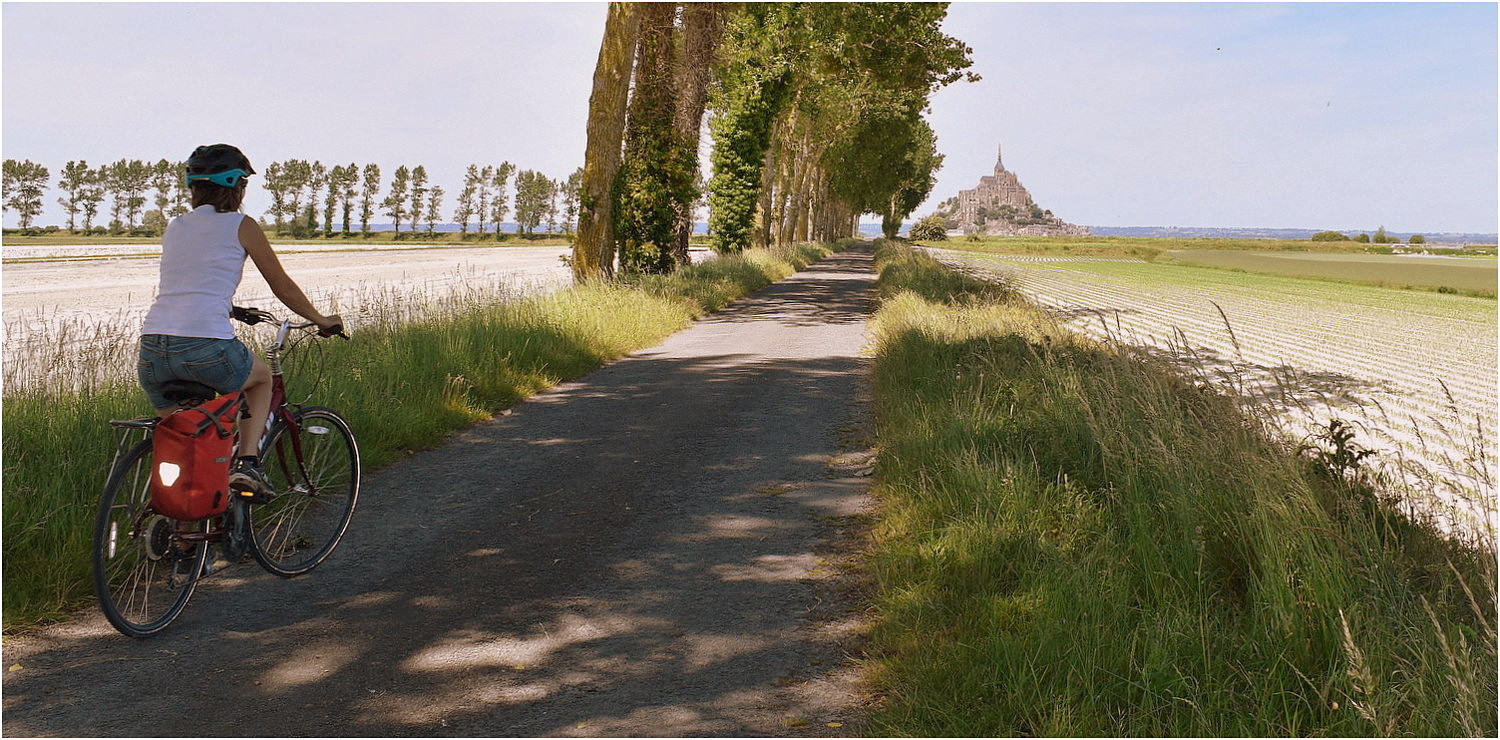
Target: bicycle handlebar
249	316
252	316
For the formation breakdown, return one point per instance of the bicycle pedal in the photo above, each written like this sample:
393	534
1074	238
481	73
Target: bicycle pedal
251	496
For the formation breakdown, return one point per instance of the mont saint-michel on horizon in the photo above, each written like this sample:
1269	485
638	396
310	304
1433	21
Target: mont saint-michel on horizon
1000	206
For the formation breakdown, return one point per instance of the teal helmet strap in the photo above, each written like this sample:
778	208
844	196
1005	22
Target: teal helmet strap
227	178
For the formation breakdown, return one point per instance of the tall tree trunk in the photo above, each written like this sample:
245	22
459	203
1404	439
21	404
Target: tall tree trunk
890	219
654	168
702	30
791	150
763	204
802	195
778	163
593	251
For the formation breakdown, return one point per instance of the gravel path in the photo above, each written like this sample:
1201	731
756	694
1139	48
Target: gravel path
653	550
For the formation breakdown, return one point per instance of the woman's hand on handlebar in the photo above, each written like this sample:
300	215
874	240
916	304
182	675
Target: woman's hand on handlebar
331	326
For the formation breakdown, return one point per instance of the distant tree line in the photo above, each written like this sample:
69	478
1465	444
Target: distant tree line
1380	237
308	199
129	186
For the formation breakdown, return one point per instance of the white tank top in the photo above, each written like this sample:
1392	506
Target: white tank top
201	264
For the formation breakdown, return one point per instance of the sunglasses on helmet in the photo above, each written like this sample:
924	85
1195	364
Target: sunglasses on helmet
227	178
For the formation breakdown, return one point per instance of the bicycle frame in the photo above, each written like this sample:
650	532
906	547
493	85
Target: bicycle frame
280	409
316	468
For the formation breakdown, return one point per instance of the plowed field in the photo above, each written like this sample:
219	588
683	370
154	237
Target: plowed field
1414	373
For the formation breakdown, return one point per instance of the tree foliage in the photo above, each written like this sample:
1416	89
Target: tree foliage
169	199
307	198
533	196
434	210
931	228
418	189
24	183
763	44
571	190
498	196
369	188
128	180
465	205
75	182
820	118
342	188
396	200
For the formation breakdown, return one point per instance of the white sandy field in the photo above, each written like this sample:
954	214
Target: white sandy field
1417	385
71	296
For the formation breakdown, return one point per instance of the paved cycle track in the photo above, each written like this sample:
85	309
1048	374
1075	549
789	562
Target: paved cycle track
651	550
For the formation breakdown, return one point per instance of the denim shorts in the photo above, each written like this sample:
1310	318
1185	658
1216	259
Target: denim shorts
221	364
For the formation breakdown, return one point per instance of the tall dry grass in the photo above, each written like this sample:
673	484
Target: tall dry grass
1079	541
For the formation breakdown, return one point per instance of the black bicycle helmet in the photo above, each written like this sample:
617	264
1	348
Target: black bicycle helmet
220	164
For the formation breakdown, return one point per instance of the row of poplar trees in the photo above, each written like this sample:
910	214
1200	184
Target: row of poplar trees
815	113
300	192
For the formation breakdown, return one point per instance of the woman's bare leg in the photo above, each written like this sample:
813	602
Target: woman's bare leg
258	400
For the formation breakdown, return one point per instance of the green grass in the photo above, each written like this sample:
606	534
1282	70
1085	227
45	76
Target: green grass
1293	289
403	384
1467	277
1076	542
1343	262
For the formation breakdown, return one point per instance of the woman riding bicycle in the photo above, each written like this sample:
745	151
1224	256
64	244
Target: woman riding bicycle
187	335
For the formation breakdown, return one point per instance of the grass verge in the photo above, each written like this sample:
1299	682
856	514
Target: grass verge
403	385
1077	542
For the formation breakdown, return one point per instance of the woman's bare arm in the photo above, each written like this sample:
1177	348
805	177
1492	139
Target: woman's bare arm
253	239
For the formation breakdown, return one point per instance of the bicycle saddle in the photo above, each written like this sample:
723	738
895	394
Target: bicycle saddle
187	392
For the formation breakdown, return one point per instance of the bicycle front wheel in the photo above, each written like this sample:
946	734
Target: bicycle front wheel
313	465
144	572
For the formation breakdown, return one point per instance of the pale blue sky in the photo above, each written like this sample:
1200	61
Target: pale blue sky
1341	115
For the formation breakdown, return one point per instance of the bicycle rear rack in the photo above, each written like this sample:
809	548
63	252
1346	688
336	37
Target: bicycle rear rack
126	435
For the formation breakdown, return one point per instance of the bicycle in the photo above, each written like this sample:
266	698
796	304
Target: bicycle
146	565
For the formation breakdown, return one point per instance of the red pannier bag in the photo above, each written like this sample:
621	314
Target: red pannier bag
191	453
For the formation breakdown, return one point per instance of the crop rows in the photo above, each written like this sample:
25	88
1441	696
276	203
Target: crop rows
1419	386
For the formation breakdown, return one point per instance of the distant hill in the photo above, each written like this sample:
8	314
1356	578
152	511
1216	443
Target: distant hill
1185	232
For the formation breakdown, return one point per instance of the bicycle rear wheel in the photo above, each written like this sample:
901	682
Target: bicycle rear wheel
313	465
143	572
